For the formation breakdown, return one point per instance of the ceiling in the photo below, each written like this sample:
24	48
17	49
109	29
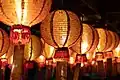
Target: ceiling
95	12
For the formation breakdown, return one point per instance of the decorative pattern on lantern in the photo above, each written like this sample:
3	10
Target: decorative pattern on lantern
4	42
33	49
20	34
61	29
25	12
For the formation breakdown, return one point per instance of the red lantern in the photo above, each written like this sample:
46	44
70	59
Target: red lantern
61	29
62	54
20	34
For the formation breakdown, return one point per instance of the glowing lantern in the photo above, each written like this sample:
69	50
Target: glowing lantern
21	15
25	12
87	41
33	49
114	41
106	40
61	29
4	42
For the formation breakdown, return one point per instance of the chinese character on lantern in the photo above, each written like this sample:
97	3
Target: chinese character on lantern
20	34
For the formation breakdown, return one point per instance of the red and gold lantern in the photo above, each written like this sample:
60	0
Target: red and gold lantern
87	42
24	12
21	15
61	29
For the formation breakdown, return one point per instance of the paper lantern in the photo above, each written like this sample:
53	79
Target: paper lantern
114	41
104	40
61	29
20	34
86	40
25	12
33	49
4	42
